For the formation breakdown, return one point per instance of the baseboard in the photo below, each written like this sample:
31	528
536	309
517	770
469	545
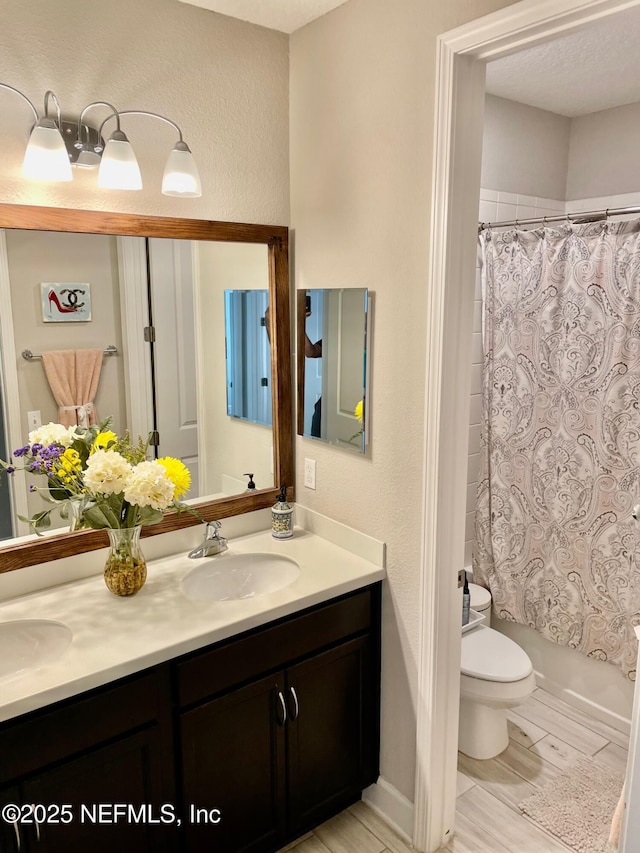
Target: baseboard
392	806
581	703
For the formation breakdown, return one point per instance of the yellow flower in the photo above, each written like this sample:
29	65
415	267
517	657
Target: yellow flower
103	440
178	473
358	411
70	461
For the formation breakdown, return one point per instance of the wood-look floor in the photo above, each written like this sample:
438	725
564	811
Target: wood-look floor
546	737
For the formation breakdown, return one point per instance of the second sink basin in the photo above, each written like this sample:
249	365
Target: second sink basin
231	577
28	644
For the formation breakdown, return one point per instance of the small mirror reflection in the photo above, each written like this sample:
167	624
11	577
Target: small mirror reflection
332	365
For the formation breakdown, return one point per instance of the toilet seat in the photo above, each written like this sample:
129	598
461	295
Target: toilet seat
491	656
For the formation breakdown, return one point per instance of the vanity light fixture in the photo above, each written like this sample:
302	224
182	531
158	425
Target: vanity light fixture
56	144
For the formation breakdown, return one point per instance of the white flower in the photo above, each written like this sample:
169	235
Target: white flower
53	434
107	473
150	486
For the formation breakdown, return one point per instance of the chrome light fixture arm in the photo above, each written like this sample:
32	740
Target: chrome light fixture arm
24	98
47	95
140	113
114	113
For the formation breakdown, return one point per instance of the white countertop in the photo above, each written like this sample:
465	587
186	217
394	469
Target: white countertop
114	637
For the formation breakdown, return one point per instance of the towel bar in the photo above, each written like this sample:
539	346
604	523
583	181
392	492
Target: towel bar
31	356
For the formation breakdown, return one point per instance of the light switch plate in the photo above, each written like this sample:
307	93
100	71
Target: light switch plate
34	420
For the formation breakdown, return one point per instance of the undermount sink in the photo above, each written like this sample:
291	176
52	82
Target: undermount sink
231	577
28	644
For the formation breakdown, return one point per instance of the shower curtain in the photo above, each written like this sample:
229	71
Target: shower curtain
555	540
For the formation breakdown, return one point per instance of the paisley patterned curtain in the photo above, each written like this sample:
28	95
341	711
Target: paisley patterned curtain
555	541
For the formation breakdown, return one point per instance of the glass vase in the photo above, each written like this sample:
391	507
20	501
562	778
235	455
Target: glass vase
125	570
74	516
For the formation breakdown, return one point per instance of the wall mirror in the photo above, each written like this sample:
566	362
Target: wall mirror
333	334
168	276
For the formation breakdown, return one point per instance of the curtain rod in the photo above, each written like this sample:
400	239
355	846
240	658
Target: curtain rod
584	217
31	356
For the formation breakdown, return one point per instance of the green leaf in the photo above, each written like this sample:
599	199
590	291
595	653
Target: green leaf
147	515
40	521
95	517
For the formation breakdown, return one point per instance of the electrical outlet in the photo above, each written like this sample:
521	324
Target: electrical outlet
310	473
34	420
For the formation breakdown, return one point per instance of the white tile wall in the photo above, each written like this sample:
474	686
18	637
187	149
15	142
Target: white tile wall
497	207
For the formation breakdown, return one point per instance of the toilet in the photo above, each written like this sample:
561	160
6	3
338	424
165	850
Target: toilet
495	675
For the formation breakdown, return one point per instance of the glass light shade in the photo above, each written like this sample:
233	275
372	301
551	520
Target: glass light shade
119	168
181	176
46	157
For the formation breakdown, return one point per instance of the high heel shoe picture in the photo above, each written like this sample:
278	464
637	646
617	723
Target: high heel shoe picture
65	302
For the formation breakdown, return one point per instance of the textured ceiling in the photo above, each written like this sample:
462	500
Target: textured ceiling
284	15
593	69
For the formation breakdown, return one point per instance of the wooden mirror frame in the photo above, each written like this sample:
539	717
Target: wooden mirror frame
276	238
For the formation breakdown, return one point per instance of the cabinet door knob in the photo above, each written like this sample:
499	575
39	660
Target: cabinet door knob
296	706
284	709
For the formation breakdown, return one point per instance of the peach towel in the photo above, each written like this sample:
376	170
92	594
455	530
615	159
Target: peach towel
73	376
616	823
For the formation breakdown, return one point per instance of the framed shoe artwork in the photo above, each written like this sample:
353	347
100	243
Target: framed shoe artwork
65	303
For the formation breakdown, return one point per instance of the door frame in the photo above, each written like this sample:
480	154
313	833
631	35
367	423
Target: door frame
14	429
461	57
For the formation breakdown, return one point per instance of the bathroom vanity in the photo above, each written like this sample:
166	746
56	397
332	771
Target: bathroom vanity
234	725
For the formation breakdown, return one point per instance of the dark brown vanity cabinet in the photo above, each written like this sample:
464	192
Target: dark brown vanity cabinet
75	765
241	746
288	732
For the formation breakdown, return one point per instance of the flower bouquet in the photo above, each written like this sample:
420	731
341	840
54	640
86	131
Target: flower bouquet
102	481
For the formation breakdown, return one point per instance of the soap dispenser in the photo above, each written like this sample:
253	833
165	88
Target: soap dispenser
250	485
466	601
282	517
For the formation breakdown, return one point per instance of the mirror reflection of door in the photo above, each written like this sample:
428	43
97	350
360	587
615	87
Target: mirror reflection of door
248	356
175	379
6	515
344	351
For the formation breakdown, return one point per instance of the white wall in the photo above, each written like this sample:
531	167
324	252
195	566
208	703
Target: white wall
525	150
36	257
362	107
603	154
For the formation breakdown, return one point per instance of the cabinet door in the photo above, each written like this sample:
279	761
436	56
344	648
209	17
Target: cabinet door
233	753
325	732
127	772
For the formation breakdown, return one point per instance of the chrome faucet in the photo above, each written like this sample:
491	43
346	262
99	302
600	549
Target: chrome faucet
212	544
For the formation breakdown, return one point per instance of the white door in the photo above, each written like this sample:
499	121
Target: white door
171	281
343	354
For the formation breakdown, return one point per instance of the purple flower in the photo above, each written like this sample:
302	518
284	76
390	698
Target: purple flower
54	451
32	488
35	449
21	451
35	467
10	469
